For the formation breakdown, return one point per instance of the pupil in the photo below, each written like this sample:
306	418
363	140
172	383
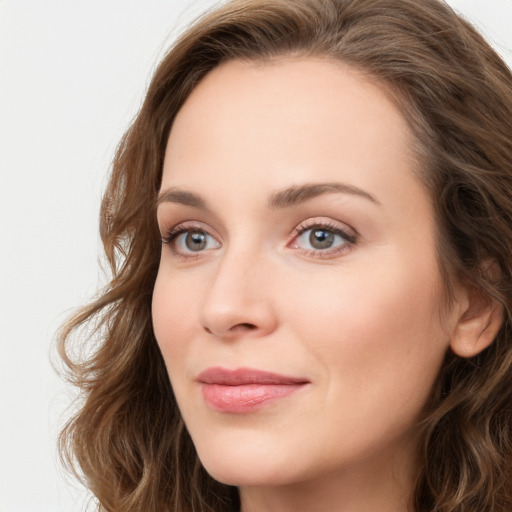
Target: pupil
195	241
321	239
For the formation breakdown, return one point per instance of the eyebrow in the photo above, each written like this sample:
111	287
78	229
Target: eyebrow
285	198
180	196
301	193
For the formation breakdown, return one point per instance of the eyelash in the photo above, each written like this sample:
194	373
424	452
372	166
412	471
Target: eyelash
170	237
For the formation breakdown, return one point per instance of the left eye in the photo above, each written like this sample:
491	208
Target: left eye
321	238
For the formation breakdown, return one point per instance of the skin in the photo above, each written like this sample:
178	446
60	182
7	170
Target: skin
360	321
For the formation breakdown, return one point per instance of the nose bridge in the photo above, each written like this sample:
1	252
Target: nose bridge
233	275
239	293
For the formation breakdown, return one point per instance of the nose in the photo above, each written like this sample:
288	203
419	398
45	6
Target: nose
239	301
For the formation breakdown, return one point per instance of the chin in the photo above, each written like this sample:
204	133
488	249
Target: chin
246	473
243	464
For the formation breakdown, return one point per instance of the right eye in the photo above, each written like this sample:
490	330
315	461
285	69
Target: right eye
189	241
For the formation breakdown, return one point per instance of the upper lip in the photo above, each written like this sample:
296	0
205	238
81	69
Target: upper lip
241	376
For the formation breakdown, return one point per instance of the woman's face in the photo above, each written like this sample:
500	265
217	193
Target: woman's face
297	303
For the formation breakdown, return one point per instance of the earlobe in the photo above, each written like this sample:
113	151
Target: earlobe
478	325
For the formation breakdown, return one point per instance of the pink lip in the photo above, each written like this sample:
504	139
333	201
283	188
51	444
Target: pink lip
244	390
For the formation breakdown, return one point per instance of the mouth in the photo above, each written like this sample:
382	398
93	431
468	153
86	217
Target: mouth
245	390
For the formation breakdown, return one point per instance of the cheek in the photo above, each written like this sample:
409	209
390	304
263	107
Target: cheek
375	327
174	312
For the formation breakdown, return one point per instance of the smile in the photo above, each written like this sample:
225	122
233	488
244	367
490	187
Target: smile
244	390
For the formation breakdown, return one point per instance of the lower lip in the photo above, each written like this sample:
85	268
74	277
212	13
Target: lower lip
244	398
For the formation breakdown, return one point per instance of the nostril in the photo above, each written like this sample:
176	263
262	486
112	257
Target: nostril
245	326
238	327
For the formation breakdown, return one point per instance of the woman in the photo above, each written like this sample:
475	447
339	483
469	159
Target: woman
309	231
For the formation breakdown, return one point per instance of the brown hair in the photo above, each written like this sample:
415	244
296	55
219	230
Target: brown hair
127	440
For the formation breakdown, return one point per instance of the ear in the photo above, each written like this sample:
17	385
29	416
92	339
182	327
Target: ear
481	317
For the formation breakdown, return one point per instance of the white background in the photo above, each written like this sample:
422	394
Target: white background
72	75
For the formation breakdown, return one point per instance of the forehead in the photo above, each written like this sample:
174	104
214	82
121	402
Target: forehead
291	120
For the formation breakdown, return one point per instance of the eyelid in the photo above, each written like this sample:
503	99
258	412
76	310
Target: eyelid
329	225
188	225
